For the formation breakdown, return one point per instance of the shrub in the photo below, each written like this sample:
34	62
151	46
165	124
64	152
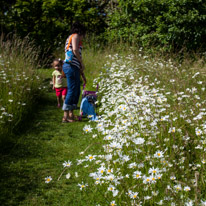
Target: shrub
169	23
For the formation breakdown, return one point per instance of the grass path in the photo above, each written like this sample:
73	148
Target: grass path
40	152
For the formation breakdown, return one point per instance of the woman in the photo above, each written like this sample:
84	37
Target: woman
73	70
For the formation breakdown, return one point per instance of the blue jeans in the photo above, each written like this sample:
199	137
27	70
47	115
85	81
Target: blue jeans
73	83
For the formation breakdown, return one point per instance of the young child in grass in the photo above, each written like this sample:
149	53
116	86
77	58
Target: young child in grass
59	81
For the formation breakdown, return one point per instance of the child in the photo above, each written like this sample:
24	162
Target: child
59	82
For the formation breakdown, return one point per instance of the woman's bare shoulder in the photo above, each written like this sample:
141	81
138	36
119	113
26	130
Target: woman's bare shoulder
76	36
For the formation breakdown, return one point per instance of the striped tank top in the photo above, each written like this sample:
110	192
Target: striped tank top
75	61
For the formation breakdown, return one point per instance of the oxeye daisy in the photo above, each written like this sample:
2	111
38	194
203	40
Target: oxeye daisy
133	195
146	180
178	187
101	169
113	203
91	157
87	128
153	170
203	203
198	131
186	188
111	188
137	174
76	174
171	130
158	154
159	176
132	165
48	179
173	178
67	163
68	176
82	186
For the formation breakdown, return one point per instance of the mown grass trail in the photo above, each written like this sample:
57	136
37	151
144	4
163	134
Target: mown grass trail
40	152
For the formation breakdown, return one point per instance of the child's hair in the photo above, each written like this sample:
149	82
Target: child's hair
57	60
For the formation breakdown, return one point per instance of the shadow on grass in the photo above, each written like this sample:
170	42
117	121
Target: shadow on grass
23	163
41	148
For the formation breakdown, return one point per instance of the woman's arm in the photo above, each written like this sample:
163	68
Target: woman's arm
75	46
83	77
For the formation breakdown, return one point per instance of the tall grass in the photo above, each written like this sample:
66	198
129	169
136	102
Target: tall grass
20	85
153	133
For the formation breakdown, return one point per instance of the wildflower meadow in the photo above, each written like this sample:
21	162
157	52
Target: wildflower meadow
152	129
20	85
146	60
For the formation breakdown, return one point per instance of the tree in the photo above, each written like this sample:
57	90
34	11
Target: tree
48	22
171	23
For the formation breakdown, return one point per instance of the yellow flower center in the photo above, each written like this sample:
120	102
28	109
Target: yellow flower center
137	175
91	157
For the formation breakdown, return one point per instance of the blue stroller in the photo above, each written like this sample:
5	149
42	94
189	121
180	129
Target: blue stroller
88	104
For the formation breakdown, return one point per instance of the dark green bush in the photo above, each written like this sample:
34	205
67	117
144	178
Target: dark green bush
175	24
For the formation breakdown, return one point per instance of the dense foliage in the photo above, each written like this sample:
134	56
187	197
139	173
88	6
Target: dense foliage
174	24
49	21
171	23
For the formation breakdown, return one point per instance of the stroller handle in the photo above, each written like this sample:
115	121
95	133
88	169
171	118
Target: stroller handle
84	85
